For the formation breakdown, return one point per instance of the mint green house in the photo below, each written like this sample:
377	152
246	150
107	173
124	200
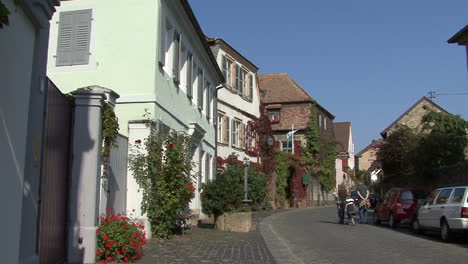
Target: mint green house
153	53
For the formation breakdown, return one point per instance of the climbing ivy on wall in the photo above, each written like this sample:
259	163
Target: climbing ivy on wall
110	130
319	153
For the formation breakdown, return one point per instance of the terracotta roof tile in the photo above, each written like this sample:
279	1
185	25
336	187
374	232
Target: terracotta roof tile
281	88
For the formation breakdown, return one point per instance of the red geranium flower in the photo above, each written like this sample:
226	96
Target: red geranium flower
98	231
108	245
170	145
106	237
126	259
108	209
124	226
98	252
118	252
110	258
104	262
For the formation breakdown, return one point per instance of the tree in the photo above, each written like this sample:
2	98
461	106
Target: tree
396	154
445	140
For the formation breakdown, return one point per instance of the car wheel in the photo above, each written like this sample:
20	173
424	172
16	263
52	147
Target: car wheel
416	227
376	219
391	221
445	232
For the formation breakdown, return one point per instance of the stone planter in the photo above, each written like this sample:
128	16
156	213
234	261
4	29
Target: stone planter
235	222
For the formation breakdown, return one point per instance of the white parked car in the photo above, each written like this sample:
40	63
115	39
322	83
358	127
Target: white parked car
445	210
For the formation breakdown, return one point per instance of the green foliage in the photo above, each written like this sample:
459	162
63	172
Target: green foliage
444	141
163	175
319	153
282	178
396	154
119	239
312	147
225	194
110	130
326	170
409	157
4	12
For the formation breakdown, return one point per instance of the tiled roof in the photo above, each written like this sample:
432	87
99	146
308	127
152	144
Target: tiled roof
342	132
374	144
280	88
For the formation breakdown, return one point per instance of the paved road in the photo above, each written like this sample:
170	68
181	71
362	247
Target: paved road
313	236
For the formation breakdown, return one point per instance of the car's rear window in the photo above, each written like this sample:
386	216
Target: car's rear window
457	195
412	195
406	195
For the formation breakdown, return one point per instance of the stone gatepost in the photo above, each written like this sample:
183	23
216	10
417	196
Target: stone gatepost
85	173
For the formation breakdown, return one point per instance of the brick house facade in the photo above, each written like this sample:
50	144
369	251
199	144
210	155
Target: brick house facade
288	106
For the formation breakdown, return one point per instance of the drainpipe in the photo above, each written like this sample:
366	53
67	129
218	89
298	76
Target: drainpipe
215	122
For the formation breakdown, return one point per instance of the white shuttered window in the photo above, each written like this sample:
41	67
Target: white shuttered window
74	36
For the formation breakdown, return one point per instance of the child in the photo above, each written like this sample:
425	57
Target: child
350	210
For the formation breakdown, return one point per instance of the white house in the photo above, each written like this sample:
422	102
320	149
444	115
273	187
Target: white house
158	61
345	148
238	104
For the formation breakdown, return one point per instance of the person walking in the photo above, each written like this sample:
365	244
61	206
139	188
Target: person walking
341	197
363	192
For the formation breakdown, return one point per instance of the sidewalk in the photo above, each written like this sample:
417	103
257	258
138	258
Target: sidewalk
206	245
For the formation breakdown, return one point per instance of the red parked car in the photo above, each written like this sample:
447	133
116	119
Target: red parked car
398	206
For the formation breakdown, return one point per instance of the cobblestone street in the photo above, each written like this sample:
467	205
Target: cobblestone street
206	245
306	236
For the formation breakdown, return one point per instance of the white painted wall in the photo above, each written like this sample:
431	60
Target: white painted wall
233	101
16	53
125	58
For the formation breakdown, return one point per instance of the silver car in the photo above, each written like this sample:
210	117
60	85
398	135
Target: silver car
445	210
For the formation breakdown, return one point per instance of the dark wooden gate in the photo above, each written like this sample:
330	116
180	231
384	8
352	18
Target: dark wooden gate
52	240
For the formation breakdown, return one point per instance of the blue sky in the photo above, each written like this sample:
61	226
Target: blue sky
366	61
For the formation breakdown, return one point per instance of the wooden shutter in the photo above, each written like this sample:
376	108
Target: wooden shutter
207	166
189	74
227	130
242	135
82	37
162	40
233	76
223	66
208	107
65	40
74	37
238	78
233	137
251	82
200	88
223	129
176	56
247	83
